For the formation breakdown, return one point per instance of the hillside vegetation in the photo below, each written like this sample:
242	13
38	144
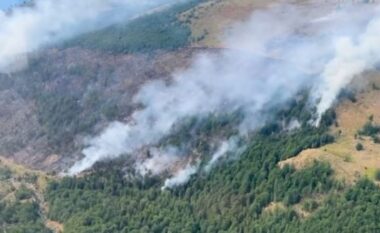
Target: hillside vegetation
22	204
234	197
73	90
157	30
357	124
250	194
304	179
230	198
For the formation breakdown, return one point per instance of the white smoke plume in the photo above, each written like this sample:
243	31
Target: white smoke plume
181	177
208	86
161	160
292	125
353	55
26	29
272	56
109	145
226	146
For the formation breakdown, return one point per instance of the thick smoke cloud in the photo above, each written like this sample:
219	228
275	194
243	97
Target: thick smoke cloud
270	58
208	86
26	29
353	55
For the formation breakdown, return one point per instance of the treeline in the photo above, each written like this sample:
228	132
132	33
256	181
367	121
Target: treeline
370	129
158	30
231	198
355	210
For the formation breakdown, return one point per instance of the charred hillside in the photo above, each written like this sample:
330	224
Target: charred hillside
67	94
72	91
189	116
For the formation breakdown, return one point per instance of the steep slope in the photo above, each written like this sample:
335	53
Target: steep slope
349	163
209	20
65	95
72	91
22	201
287	178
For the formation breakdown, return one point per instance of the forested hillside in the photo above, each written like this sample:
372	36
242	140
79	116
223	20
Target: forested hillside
248	194
244	148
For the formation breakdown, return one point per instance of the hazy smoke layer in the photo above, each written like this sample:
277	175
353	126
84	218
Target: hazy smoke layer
49	21
272	56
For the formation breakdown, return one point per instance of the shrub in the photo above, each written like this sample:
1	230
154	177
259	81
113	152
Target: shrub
369	129
5	173
310	205
376	139
377	175
359	146
23	194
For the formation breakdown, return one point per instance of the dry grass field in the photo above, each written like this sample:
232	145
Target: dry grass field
348	163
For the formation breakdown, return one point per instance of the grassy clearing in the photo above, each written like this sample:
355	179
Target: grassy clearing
348	163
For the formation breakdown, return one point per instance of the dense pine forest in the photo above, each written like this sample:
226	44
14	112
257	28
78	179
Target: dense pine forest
232	198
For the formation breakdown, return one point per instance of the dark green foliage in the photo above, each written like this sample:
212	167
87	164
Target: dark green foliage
310	205
347	94
160	30
230	198
357	210
377	175
21	217
297	108
359	146
5	173
369	129
270	129
23	193
195	133
59	115
329	118
370	118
